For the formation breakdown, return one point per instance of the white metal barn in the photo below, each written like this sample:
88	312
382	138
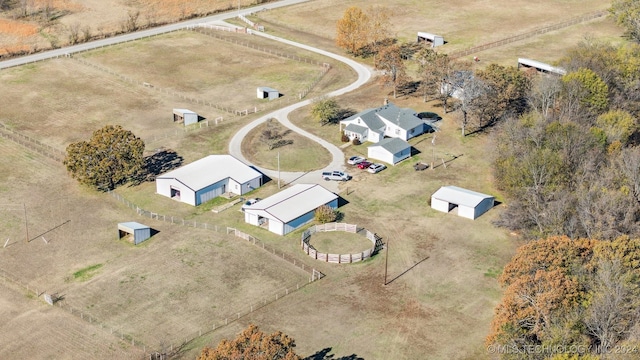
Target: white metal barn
207	178
470	204
140	232
389	150
185	116
540	66
435	40
289	209
267	93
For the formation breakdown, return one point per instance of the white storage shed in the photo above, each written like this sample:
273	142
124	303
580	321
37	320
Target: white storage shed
207	178
264	92
289	209
435	40
470	204
140	232
185	116
389	150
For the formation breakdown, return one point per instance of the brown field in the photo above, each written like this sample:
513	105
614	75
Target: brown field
441	279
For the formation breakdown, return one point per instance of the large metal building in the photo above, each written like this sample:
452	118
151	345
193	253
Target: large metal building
207	178
469	204
289	209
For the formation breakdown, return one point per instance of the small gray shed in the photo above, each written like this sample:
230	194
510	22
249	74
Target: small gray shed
140	232
185	116
264	92
435	40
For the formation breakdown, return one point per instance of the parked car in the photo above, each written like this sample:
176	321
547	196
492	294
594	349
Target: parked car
376	168
355	160
249	202
335	175
364	164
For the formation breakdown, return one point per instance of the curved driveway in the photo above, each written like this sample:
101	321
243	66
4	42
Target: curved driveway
337	162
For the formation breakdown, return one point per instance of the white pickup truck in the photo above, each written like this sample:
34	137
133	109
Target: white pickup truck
335	175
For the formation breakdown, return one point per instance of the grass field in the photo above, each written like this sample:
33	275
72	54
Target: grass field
440	287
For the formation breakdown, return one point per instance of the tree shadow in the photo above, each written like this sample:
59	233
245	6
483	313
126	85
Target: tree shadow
160	162
325	354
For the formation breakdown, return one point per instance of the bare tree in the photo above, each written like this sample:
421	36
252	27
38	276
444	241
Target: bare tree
544	94
472	91
74	33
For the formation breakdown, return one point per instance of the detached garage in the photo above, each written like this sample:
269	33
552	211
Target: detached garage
289	209
469	204
207	178
389	150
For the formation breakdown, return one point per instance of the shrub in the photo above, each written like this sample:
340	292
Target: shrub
356	141
345	138
325	214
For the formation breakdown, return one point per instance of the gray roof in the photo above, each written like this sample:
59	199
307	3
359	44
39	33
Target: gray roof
211	169
267	89
392	145
131	226
292	202
460	196
369	118
405	118
356	129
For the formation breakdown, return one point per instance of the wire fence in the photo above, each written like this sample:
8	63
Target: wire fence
314	274
530	34
31	143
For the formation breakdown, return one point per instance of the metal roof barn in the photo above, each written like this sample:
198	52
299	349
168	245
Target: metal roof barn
139	231
267	93
540	66
207	178
185	116
435	40
291	208
470	204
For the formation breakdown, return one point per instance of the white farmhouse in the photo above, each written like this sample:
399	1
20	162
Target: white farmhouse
207	178
386	121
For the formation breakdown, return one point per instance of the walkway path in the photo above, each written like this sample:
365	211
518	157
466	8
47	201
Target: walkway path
337	162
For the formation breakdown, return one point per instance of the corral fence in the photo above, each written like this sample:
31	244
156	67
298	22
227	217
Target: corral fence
536	32
31	143
340	258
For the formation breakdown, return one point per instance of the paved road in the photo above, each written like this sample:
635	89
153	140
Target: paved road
337	162
138	35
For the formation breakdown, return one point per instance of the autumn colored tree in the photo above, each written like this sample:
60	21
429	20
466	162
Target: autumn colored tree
111	157
627	14
325	214
352	30
379	29
434	68
585	95
394	73
506	92
325	110
617	125
255	345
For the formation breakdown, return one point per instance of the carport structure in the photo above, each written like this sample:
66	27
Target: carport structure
139	231
469	204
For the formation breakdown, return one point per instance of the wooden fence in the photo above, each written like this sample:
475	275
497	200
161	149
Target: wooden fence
340	258
530	34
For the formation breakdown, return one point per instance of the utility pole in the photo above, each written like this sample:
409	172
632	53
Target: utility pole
433	150
26	222
386	261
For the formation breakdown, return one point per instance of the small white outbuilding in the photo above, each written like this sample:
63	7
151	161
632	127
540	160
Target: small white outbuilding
185	116
389	150
138	232
264	92
469	204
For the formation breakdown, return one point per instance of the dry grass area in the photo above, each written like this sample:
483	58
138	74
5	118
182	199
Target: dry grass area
440	287
302	154
340	242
